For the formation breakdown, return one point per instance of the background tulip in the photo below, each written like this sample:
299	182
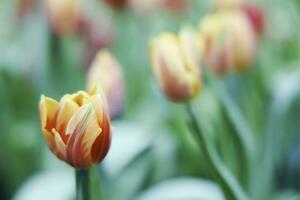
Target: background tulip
77	128
106	73
174	69
253	11
62	15
229	41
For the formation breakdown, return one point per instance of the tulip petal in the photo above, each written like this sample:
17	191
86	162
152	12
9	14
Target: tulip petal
102	143
50	139
48	108
84	129
67	108
60	145
80	98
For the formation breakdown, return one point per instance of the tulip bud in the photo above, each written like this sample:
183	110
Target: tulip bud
256	16
105	73
77	129
176	66
62	15
254	13
229	41
24	8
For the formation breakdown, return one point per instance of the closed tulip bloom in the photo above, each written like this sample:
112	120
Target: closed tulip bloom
254	12
62	15
176	70
77	129
229	41
106	74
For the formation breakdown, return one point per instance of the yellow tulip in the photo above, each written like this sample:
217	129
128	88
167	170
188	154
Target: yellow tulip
105	73
62	15
229	41
77	128
176	66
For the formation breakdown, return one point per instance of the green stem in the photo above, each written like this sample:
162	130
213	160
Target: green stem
83	184
231	188
242	133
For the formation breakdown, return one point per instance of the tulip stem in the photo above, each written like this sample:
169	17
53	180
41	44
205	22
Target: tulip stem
228	183
83	184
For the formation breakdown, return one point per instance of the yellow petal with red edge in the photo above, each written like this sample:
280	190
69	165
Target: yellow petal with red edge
66	109
60	145
48	108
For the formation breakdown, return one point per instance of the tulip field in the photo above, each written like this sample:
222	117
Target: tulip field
149	100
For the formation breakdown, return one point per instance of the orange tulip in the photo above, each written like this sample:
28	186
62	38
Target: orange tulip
77	129
229	41
106	74
176	66
62	15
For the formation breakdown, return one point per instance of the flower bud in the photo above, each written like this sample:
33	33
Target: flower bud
254	13
77	129
62	15
176	66
256	17
105	73
24	8
229	41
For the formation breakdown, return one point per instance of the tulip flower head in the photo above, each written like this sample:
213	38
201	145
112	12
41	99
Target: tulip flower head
254	12
175	65
105	73
62	15
77	128
229	41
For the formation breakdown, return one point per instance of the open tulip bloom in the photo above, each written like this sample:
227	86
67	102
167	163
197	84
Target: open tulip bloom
77	128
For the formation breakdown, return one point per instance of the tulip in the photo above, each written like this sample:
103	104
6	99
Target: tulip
254	13
256	16
105	73
77	129
229	41
24	8
62	15
175	66
175	4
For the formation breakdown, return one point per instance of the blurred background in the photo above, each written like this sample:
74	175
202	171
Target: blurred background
152	154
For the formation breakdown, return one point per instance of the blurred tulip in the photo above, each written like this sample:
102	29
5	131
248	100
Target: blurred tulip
105	73
77	129
229	41
256	16
175	4
117	3
62	15
175	65
254	12
24	8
